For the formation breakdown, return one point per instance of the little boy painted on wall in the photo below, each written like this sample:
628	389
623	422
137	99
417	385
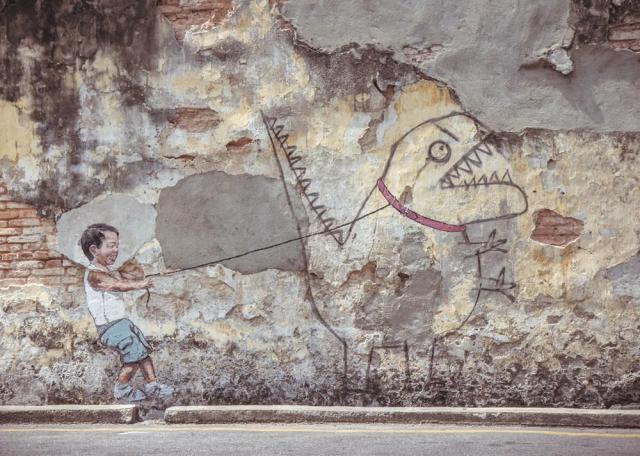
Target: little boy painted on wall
104	286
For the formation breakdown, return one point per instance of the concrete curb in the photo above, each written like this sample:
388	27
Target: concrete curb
409	415
56	414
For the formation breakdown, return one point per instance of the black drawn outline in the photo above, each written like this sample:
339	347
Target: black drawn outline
278	140
464	164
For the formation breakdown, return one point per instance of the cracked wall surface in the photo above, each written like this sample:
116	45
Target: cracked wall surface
391	203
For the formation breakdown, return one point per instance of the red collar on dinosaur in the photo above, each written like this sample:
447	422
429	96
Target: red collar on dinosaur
421	219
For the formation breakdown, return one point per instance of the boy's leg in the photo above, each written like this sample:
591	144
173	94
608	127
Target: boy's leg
127	371
123	389
153	388
148	371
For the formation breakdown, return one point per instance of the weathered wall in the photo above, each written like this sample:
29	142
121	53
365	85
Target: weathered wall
222	131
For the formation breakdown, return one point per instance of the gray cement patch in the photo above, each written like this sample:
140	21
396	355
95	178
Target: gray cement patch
492	53
625	278
215	215
134	220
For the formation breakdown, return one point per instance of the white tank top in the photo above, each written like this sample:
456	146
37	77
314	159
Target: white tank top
104	306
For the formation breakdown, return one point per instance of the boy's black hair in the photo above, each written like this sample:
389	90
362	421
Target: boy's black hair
94	235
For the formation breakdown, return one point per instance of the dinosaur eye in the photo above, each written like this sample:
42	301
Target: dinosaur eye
439	151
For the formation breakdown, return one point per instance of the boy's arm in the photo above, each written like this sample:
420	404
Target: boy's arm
131	270
105	282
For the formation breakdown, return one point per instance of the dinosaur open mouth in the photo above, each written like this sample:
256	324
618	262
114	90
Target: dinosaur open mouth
465	172
452	172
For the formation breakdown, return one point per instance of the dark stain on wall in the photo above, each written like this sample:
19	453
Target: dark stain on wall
593	20
590	20
66	34
356	70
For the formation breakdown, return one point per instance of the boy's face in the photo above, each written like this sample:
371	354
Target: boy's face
108	252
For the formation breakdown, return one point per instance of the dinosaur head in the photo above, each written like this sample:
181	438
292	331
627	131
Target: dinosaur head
453	171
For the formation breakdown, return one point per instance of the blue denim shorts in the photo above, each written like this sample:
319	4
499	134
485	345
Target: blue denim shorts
127	339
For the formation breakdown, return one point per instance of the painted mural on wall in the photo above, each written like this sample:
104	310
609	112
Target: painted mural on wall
307	223
447	174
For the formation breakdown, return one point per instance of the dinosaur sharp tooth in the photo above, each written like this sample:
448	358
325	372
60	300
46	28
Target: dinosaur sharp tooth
474	159
446	182
507	177
468	184
484	148
304	183
482	180
329	222
494	179
453	173
313	197
291	150
462	167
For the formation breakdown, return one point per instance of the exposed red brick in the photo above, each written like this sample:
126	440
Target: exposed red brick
625	32
554	229
53	280
30	264
195	119
74	272
28	213
198	12
26	253
10	231
239	143
8	214
14	205
25	239
12	282
10	247
44	255
631	45
48	272
34	246
25	222
71	280
43	229
16	273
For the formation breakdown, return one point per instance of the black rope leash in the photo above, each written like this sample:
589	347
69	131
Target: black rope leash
326	231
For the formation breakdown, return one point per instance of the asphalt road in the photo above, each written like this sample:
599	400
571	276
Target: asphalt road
353	440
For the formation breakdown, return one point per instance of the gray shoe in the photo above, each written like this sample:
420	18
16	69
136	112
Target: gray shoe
127	392
156	389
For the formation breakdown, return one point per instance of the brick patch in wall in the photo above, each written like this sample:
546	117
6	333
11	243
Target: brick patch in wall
195	119
554	229
183	15
625	36
26	252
